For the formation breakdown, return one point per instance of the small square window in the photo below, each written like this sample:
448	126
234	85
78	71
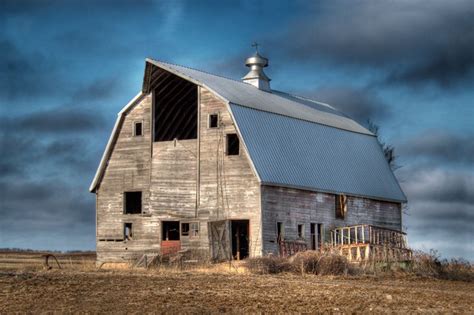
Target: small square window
190	229
185	229
213	121
132	202
127	231
232	144
138	129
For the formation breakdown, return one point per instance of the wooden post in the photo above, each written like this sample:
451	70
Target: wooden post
363	234
238	242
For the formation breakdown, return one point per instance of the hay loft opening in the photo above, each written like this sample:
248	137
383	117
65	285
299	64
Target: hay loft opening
175	107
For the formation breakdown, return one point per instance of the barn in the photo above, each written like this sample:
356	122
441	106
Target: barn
232	169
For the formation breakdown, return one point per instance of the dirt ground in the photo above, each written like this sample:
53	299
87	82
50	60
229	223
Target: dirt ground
76	289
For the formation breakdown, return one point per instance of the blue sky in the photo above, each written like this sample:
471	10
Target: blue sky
68	67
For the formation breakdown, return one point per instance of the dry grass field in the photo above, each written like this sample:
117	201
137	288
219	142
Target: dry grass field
25	286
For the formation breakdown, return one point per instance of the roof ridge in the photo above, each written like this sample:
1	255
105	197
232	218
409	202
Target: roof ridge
213	74
206	72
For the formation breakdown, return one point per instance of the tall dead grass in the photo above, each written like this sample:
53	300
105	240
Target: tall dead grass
328	262
431	265
308	262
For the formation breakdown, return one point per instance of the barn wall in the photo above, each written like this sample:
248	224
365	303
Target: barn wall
128	169
229	188
167	174
294	206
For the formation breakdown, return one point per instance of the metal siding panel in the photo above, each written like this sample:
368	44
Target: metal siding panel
296	153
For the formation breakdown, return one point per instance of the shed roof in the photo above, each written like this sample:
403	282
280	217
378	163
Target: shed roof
293	141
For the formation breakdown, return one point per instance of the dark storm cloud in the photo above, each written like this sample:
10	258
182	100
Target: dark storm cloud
21	72
57	120
98	90
440	185
359	104
410	41
23	198
440	208
440	146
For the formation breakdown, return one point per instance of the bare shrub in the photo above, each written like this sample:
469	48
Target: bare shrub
333	264
426	264
306	262
458	269
430	265
268	265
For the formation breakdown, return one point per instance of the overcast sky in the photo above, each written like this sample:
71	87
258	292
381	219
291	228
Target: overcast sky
68	67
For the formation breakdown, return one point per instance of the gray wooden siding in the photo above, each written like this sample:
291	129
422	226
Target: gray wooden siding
294	206
167	175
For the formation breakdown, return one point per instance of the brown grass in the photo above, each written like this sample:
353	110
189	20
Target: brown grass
328	262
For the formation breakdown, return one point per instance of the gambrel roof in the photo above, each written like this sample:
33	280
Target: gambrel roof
292	141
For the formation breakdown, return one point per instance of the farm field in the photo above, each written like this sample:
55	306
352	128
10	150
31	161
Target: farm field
79	287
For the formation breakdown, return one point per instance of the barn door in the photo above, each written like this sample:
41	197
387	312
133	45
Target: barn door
219	240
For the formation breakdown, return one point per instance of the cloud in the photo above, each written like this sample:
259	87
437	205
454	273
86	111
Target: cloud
440	185
441	208
440	146
21	72
55	121
359	104
408	41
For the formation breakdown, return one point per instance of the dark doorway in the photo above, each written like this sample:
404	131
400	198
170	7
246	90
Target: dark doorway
316	236
170	231
170	243
240	239
320	235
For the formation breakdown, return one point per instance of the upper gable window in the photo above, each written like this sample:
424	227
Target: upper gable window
132	202
214	121
138	128
232	144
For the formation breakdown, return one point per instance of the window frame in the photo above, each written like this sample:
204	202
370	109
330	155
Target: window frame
182	229
125	225
340	206
209	121
134	131
302	234
194	233
227	144
193	229
124	201
280	229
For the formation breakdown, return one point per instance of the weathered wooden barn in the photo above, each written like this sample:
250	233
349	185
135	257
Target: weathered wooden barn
231	168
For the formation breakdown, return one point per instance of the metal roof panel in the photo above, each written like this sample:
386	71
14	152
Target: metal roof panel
295	153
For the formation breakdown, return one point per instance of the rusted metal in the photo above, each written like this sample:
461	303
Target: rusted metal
46	261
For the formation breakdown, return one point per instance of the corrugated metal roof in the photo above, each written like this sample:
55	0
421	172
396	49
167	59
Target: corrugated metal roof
247	95
293	141
295	153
